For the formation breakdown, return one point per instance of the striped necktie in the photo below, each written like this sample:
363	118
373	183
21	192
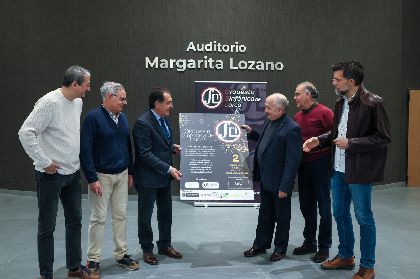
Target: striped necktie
164	129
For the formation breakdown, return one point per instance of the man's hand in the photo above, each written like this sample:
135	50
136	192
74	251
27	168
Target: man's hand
96	188
175	173
130	181
282	194
342	143
51	169
247	128
310	143
177	148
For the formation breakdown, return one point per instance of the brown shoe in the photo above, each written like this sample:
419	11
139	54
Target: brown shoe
254	251
47	277
338	263
275	257
364	273
79	272
170	252
150	258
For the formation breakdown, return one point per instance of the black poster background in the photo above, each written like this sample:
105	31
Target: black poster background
214	158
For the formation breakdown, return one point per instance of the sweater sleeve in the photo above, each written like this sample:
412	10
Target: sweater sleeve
37	121
328	118
87	135
130	154
326	138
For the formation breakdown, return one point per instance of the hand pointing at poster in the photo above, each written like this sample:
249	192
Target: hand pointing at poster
247	128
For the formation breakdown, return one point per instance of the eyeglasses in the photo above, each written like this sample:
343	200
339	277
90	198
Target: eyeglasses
122	99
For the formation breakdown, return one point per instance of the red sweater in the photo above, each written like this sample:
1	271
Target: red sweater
313	123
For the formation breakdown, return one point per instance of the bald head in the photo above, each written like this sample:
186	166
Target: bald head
275	106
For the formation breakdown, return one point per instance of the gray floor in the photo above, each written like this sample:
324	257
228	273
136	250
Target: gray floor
213	240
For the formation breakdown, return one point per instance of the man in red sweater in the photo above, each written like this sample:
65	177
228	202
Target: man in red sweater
314	178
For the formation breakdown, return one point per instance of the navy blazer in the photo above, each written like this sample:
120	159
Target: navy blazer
153	153
281	158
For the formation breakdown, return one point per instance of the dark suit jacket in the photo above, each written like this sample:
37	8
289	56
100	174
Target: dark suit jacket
153	153
281	158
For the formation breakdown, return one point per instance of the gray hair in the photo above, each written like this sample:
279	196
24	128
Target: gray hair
75	73
110	87
279	100
309	88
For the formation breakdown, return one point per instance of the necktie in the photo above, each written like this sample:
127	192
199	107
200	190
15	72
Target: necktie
164	129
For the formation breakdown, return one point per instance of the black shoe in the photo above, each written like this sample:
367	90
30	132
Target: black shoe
276	256
93	268
304	250
128	263
320	256
253	251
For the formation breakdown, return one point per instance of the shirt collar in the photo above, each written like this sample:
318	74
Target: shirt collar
361	89
315	103
113	115
158	117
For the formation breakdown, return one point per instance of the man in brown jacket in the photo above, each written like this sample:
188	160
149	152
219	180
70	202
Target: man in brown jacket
359	139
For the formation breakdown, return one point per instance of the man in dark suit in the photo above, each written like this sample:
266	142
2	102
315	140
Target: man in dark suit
153	171
276	162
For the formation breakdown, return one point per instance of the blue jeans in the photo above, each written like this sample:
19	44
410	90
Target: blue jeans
360	194
50	189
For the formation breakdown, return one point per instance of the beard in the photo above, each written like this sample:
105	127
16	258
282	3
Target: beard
341	93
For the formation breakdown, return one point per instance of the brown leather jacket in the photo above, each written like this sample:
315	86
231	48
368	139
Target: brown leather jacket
368	133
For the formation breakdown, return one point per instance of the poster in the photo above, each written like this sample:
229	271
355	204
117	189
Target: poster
235	97
213	158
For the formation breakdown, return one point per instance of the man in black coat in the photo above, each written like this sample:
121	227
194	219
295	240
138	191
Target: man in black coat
153	171
276	162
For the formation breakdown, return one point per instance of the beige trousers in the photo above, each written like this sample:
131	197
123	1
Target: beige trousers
114	193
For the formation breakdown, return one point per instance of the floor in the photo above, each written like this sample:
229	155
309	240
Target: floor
213	239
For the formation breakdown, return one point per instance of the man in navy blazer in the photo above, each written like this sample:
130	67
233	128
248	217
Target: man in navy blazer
153	171
276	162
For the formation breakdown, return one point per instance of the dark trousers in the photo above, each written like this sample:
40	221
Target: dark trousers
314	191
273	210
50	189
147	198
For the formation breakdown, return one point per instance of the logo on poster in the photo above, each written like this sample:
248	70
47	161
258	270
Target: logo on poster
211	97
228	131
192	185
210	185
